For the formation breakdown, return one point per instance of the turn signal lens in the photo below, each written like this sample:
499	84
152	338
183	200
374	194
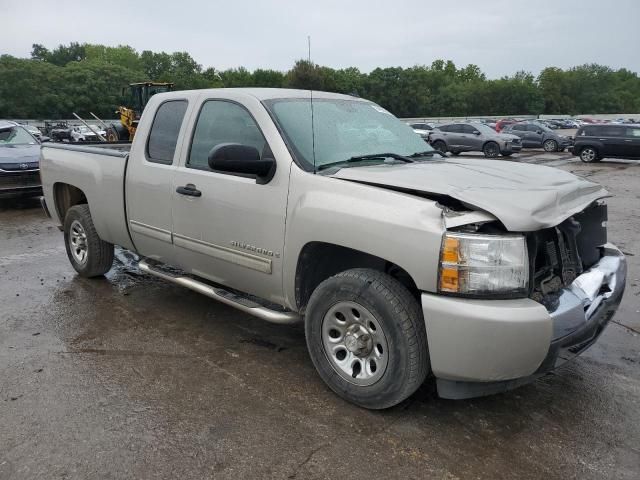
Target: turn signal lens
475	264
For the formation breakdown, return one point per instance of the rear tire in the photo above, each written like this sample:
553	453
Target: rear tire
89	255
362	316
589	155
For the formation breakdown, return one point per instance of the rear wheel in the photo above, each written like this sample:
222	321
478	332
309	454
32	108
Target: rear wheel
89	255
440	146
366	337
491	150
589	155
550	146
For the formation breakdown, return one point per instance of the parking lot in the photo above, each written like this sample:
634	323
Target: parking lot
130	377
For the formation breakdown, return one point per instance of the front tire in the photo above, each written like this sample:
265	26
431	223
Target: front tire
440	146
491	150
550	146
366	337
89	255
589	155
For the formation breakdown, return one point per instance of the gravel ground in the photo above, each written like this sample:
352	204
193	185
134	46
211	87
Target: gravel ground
129	377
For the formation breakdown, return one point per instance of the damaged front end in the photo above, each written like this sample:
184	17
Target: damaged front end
576	276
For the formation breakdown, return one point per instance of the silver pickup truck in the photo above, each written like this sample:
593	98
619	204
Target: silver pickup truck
324	208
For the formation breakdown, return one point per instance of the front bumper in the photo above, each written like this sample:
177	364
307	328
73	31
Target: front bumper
20	183
481	347
510	147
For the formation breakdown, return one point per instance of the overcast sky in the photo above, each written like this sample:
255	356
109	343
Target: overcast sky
500	36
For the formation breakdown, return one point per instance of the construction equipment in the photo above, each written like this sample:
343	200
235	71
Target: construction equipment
138	96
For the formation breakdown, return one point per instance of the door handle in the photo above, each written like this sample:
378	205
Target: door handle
190	190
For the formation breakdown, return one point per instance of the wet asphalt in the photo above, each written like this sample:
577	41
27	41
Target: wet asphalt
129	377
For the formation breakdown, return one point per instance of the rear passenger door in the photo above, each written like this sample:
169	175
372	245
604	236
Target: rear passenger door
148	187
232	232
534	136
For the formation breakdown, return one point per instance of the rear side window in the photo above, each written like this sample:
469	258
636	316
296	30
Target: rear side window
518	127
633	132
612	131
163	137
222	122
468	129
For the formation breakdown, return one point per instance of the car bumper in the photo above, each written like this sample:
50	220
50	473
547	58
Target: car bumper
13	184
481	347
509	147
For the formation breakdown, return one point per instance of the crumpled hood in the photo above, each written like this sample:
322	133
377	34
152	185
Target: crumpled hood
524	197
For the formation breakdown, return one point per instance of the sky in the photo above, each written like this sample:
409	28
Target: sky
500	36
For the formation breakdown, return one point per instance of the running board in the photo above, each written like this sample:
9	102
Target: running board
225	296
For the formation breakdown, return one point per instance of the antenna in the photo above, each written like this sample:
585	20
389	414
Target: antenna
313	130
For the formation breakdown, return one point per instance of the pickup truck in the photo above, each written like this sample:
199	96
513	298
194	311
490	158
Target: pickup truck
404	265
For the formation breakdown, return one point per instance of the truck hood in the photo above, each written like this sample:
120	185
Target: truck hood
522	196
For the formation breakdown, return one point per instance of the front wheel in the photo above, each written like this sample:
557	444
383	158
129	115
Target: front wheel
440	146
89	255
491	150
589	155
366	337
550	146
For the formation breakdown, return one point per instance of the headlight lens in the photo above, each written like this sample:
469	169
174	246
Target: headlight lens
475	265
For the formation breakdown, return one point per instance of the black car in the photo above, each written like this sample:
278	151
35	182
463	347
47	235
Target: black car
19	161
595	142
536	135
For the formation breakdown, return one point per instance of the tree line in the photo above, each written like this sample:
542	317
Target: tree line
86	78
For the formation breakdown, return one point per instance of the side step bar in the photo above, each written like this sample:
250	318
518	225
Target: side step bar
225	296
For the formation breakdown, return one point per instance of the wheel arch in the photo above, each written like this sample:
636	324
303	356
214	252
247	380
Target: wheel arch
318	261
66	196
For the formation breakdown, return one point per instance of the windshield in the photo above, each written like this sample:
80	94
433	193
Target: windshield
483	128
342	129
16	136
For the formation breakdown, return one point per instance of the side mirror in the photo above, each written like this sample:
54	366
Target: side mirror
44	138
539	132
477	132
242	160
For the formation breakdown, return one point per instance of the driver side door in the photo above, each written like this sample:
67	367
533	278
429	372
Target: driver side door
227	227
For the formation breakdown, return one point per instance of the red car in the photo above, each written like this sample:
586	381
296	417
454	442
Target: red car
500	124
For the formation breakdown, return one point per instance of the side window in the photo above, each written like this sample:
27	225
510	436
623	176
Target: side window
633	132
612	132
518	127
532	127
468	129
222	122
455	128
163	137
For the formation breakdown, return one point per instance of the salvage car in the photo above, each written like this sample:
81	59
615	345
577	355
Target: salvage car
19	161
595	142
82	133
461	137
537	135
403	264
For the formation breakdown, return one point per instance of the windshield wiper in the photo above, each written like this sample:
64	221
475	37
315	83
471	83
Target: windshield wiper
372	156
427	153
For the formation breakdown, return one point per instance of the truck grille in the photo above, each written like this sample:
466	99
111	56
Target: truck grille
19	179
558	255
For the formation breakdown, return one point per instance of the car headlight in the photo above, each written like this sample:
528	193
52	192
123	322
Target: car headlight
483	265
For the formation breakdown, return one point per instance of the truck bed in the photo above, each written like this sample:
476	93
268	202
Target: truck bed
99	172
